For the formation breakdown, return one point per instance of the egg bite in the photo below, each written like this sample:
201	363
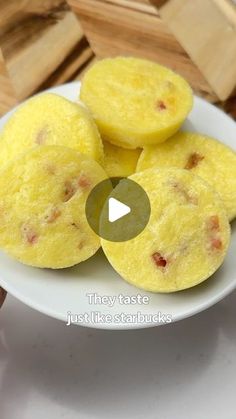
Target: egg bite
135	102
118	161
202	155
185	240
50	119
42	207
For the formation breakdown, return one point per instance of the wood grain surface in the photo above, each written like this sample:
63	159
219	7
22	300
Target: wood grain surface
38	49
41	44
207	31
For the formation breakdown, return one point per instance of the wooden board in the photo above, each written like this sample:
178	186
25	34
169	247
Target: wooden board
22	26
128	27
7	94
39	43
207	31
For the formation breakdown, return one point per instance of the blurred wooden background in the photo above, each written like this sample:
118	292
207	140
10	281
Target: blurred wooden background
42	44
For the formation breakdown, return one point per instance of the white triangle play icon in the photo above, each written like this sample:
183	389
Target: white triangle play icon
116	210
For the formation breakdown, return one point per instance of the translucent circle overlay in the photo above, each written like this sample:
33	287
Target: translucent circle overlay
127	192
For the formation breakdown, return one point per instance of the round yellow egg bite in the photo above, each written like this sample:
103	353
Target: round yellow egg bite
42	207
186	238
49	119
118	161
135	102
204	156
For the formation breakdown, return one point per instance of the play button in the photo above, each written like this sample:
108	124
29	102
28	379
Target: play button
117	209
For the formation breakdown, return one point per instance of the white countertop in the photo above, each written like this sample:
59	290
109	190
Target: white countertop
184	370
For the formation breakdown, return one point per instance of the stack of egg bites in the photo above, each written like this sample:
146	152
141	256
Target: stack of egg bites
126	124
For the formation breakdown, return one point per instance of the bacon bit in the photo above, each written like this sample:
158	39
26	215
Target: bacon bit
160	105
75	225
213	229
41	136
213	223
159	260
193	161
54	214
216	244
84	181
81	245
69	190
29	234
189	198
193	200
50	168
169	84
71	187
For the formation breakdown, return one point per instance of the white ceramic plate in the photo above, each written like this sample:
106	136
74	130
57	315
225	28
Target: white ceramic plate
58	292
